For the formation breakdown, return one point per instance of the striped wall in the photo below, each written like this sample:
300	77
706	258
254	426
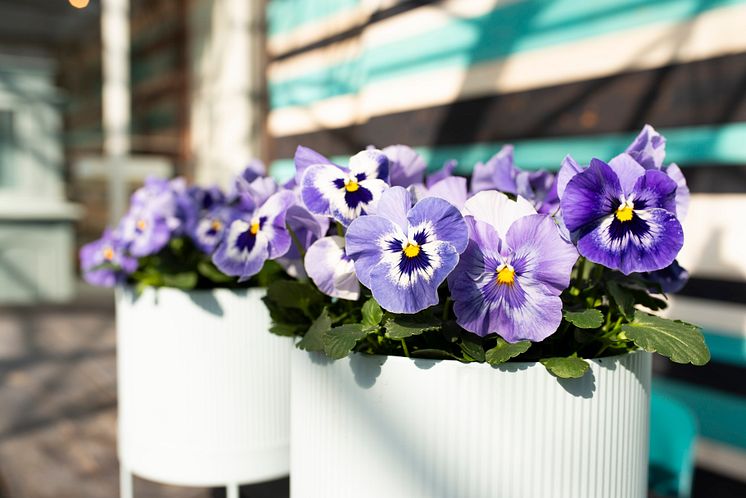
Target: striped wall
457	79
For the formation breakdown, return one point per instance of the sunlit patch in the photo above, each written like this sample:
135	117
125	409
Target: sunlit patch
412	250
505	274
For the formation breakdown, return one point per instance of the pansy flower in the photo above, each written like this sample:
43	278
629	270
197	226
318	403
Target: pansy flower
342	193
670	279
513	271
145	231
208	231
623	216
253	238
104	262
500	173
331	269
306	228
403	253
452	189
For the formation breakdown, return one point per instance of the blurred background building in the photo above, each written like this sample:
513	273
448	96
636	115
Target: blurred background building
199	87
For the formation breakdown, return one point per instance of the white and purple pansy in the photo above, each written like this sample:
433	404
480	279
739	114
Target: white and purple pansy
252	239
344	194
331	269
104	262
406	166
623	216
512	272
403	253
305	228
209	229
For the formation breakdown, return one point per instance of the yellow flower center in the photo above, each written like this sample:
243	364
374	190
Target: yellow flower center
254	229
625	211
108	254
505	275
141	225
411	250
216	225
351	186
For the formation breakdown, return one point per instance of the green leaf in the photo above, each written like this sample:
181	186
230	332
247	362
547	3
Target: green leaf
372	313
585	319
504	351
285	329
185	281
566	368
624	299
339	341
314	338
208	270
471	346
681	342
403	326
294	294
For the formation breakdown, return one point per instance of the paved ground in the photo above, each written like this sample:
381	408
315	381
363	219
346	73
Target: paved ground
58	406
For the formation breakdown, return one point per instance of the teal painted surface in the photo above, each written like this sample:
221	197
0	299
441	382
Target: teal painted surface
673	432
286	15
726	349
721	416
512	29
692	145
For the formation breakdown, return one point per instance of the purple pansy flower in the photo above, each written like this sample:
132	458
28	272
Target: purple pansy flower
406	166
452	189
104	262
345	194
403	253
145	231
671	279
208	231
443	173
331	269
252	239
500	173
513	271
623	216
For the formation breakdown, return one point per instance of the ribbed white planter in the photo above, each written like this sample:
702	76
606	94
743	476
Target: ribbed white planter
372	426
203	388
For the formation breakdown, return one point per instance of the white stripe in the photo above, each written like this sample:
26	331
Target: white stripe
715	236
714	33
721	459
726	318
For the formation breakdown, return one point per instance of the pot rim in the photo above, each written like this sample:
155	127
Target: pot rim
129	289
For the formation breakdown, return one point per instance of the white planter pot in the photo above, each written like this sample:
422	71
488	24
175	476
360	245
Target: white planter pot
372	426
203	388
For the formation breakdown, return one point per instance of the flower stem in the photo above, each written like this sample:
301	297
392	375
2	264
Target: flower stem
404	346
340	229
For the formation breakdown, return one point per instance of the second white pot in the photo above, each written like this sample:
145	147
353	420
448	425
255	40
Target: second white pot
371	426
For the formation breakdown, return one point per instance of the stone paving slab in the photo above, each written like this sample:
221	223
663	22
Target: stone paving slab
58	407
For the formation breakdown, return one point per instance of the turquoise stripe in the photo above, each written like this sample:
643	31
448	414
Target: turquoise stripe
722	144
507	30
721	416
726	349
285	15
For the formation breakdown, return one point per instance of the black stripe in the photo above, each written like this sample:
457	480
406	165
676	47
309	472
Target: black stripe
377	16
708	484
731	291
697	93
716	179
721	377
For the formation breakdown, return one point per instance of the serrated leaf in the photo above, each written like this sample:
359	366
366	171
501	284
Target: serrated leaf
566	368
471	346
681	342
624	299
372	313
339	341
313	340
505	350
585	319
184	281
401	327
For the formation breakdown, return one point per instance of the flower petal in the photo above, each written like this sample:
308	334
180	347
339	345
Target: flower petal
627	170
590	196
655	189
497	209
370	163
452	189
394	205
365	241
241	254
406	166
648	148
648	242
682	190
443	220
305	158
498	173
318	187
567	171
331	270
445	172
274	229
